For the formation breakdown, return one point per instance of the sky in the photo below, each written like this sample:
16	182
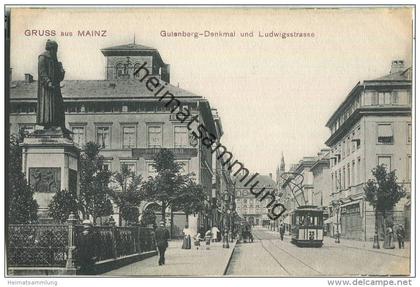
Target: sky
273	95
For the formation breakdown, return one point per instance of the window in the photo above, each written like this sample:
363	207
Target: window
409	167
344	178
122	70
385	135
136	67
338	180
395	98
154	136
129	137
79	135
106	166
103	137
131	166
358	171
180	136
384	98
184	166
371	99
353	164
151	171
348	145
409	133
386	161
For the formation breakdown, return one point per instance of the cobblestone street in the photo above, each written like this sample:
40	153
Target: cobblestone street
269	256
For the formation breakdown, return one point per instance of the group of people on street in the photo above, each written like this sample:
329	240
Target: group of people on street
211	235
389	236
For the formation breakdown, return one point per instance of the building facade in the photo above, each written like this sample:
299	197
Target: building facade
129	122
371	127
251	208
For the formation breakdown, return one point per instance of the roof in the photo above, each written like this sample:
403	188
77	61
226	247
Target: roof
264	181
394	78
128	47
95	89
405	75
132	50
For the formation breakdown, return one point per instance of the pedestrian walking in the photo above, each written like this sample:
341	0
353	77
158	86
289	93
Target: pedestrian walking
162	236
389	238
282	230
197	240
215	232
400	236
208	237
87	249
186	243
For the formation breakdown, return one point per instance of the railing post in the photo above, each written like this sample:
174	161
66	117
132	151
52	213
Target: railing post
71	222
114	233
138	237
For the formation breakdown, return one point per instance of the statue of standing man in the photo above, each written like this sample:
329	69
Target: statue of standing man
50	107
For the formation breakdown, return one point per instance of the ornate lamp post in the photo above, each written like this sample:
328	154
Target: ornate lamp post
231	218
337	210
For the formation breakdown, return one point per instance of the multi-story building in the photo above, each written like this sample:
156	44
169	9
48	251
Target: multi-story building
322	183
127	120
252	208
371	127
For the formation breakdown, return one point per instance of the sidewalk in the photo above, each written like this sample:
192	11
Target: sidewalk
329	241
182	262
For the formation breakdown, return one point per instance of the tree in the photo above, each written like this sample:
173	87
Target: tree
167	184
383	192
129	194
62	204
94	180
148	217
191	199
23	207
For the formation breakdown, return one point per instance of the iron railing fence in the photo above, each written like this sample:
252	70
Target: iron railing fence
53	245
37	245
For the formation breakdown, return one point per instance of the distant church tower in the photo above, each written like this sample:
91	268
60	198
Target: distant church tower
280	170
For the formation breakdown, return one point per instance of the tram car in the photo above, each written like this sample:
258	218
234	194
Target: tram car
307	226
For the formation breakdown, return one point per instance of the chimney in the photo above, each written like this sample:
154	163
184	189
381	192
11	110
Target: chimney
29	78
165	73
397	66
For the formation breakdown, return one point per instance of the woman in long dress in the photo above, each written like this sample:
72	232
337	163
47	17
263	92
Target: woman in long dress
186	244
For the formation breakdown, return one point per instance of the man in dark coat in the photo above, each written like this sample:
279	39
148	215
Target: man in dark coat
162	236
50	106
87	249
400	236
282	230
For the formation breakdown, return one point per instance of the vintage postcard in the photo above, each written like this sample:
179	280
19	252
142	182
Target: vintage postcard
272	141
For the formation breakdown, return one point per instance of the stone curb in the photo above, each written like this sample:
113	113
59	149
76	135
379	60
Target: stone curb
232	249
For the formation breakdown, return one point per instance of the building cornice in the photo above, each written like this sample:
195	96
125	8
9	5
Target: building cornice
359	113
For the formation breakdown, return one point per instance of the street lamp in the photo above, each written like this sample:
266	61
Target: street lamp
376	236
231	218
226	220
337	240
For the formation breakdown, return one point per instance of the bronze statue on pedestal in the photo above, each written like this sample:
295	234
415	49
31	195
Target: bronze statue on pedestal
50	106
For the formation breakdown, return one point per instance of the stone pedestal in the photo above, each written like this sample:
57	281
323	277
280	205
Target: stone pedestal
50	163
